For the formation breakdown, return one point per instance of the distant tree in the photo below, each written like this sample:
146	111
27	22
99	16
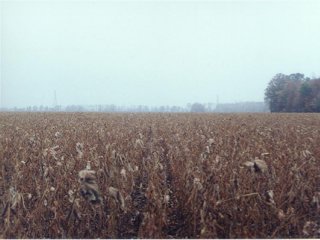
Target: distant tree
175	109
290	95
293	93
275	95
296	77
315	102
162	108
197	107
306	96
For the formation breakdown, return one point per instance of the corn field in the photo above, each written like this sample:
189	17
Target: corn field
149	175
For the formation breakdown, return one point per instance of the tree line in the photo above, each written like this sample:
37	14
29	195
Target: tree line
190	107
293	93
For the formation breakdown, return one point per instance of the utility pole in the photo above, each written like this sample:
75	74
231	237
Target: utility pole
55	101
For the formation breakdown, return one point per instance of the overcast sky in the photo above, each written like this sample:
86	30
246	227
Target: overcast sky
153	52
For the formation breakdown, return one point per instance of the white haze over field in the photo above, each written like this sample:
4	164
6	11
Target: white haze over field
152	52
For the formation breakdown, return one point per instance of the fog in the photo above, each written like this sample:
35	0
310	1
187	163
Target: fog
152	52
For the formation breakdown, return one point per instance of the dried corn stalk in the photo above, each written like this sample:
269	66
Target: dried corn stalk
257	165
88	186
79	148
116	194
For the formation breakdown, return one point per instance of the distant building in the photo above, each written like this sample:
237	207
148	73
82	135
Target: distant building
242	107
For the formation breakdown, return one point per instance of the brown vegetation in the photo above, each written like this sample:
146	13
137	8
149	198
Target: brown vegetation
159	175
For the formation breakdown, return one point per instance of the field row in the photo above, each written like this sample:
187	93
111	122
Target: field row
91	175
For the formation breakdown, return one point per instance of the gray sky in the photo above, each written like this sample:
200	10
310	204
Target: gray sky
153	52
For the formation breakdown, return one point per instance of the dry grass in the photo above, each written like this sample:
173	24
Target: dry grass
159	175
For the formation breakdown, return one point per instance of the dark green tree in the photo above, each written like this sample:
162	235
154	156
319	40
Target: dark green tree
275	93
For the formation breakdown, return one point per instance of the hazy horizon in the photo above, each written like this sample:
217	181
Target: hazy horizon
151	52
